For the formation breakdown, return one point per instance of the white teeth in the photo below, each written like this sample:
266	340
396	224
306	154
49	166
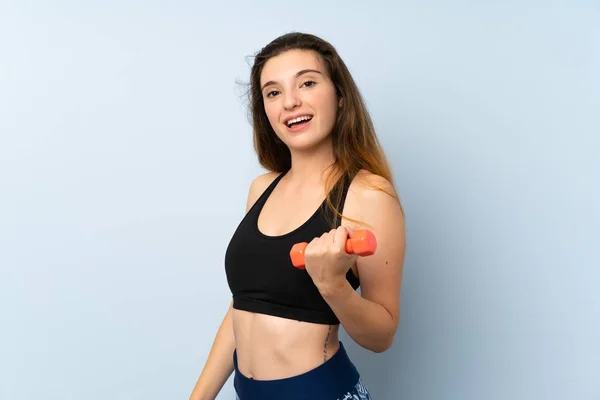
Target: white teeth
302	118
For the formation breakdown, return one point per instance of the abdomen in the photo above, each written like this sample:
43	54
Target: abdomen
270	347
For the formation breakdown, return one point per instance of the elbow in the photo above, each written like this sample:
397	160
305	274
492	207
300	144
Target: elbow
382	345
385	341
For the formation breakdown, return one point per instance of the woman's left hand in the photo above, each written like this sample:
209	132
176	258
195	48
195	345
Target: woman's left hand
326	259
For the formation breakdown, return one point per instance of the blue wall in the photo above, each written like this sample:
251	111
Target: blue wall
121	121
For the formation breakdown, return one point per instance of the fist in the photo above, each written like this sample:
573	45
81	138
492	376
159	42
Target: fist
326	259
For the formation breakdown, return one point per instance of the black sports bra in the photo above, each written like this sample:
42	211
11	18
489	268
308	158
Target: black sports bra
260	273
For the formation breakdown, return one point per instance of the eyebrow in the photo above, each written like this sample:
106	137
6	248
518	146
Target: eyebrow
299	73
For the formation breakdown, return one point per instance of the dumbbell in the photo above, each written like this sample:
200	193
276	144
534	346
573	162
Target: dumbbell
362	243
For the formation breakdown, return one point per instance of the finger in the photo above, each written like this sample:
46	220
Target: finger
340	237
312	244
331	236
328	237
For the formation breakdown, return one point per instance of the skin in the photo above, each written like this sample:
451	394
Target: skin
270	347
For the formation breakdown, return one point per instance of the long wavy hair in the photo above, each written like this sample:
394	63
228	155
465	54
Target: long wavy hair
355	143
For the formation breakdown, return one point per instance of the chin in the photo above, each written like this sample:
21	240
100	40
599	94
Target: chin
304	140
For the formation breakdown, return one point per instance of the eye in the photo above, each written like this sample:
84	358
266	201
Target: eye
272	93
309	83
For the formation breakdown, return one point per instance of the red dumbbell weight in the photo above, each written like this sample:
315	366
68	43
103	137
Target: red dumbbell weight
362	243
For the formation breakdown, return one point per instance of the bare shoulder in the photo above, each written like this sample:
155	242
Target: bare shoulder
258	186
373	199
370	184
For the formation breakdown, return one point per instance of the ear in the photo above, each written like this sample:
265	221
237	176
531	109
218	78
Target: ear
340	102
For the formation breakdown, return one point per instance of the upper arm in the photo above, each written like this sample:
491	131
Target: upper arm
381	273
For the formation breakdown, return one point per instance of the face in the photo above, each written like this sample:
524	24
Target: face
299	97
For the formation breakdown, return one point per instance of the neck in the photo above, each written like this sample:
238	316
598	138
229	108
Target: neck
309	167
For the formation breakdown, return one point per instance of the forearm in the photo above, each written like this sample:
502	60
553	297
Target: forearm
219	365
366	322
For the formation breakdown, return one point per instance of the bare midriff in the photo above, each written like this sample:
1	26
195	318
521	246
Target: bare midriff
270	347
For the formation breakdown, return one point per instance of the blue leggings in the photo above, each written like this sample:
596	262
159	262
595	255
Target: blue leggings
336	379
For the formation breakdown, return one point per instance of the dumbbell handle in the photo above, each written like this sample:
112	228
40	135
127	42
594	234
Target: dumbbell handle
363	243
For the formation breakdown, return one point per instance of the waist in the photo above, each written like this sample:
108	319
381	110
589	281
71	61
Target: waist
270	347
329	380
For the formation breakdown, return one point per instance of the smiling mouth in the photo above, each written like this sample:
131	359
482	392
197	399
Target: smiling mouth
299	120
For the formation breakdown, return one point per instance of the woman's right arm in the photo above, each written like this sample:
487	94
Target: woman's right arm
219	364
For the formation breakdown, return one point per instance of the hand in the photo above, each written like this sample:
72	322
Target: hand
326	259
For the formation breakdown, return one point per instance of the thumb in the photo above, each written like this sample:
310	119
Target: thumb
351	232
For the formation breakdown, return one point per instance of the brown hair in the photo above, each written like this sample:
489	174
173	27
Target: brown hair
355	143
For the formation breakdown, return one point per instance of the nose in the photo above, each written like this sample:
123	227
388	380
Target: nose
291	99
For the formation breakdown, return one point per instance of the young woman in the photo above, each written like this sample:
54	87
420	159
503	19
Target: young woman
328	177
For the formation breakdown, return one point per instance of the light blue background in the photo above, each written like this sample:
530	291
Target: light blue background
126	157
